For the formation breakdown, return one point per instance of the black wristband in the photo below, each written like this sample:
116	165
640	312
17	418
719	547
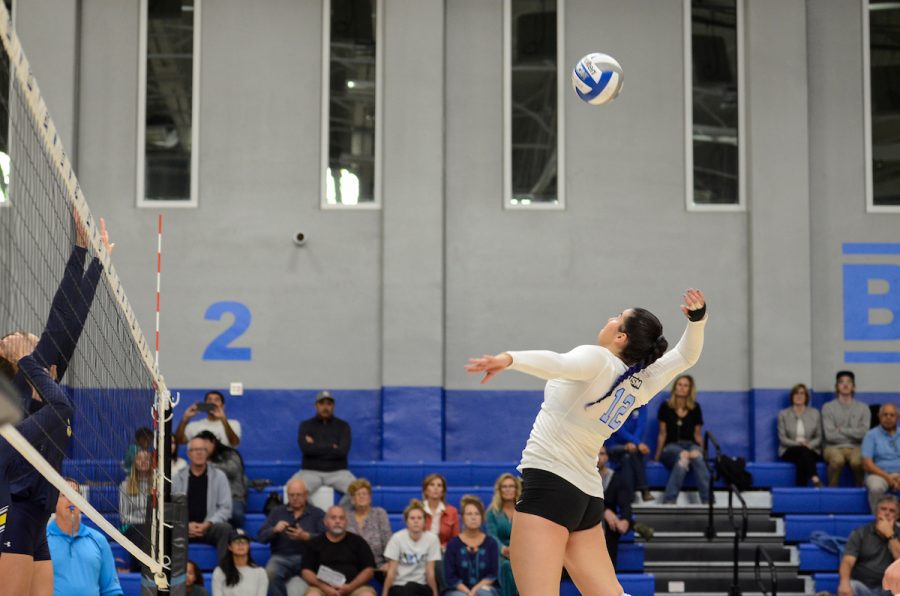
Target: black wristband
697	315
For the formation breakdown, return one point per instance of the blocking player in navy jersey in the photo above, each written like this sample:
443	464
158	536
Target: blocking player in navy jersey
35	367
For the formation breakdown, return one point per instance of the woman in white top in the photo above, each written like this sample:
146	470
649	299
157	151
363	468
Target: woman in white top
237	573
558	517
411	556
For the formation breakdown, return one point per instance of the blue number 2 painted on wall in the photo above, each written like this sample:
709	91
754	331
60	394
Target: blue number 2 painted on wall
614	421
220	348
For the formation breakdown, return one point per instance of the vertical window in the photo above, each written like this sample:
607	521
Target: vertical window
351	116
168	104
5	82
533	106
881	21
713	104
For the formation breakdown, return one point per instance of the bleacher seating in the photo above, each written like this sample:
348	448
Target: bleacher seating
636	584
805	509
799	527
819	500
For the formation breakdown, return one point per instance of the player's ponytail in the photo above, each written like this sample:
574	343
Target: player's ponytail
646	344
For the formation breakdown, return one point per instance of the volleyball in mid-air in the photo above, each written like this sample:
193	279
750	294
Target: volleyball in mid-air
597	78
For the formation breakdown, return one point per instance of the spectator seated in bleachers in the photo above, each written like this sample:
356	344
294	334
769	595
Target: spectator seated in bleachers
371	523
193	581
208	498
680	436
800	436
845	421
288	530
228	460
472	557
617	497
178	463
626	447
338	559
441	518
228	430
82	559
880	457
324	441
133	495
412	554
869	551
143	441
507	490
237	573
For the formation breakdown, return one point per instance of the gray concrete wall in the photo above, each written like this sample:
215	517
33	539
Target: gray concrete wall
837	169
403	295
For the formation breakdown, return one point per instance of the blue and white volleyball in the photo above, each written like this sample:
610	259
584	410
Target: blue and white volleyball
597	78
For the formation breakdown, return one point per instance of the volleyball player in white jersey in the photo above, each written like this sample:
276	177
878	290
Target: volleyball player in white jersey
558	517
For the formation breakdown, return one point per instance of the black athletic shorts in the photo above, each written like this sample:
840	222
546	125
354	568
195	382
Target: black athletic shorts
547	495
26	531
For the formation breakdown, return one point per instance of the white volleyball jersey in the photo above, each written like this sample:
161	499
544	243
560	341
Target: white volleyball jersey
566	436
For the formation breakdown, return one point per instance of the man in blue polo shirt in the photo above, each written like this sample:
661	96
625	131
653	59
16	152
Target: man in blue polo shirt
82	560
881	456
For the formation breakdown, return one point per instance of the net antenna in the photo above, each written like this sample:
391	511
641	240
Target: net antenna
113	380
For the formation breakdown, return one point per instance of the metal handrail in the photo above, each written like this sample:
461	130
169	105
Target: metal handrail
740	533
773	575
708	438
740	529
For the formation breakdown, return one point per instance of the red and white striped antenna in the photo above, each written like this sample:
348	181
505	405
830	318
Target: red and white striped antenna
158	278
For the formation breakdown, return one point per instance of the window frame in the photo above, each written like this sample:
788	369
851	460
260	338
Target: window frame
377	201
561	80
193	201
871	207
688	77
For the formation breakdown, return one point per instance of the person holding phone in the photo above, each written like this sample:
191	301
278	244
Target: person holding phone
227	430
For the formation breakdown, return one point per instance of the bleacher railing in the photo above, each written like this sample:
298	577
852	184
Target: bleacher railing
739	528
757	572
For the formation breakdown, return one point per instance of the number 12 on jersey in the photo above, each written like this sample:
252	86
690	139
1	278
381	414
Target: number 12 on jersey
614	421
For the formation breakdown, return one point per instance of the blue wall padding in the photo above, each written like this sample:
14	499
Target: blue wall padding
764	407
765	404
270	419
413	423
489	425
725	413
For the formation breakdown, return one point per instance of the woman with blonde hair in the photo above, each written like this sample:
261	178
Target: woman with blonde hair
371	523
678	445
500	513
133	494
472	557
412	554
441	518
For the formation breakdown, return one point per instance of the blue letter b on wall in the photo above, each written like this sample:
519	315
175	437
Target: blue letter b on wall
871	302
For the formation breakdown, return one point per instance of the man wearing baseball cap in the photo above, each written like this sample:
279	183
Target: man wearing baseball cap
324	441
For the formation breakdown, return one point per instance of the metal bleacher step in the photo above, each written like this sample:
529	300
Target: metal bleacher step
719	582
711	554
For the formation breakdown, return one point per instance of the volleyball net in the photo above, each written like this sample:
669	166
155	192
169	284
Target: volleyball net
58	284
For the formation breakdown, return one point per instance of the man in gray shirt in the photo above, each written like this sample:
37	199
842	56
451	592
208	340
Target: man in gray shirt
208	498
870	551
845	421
